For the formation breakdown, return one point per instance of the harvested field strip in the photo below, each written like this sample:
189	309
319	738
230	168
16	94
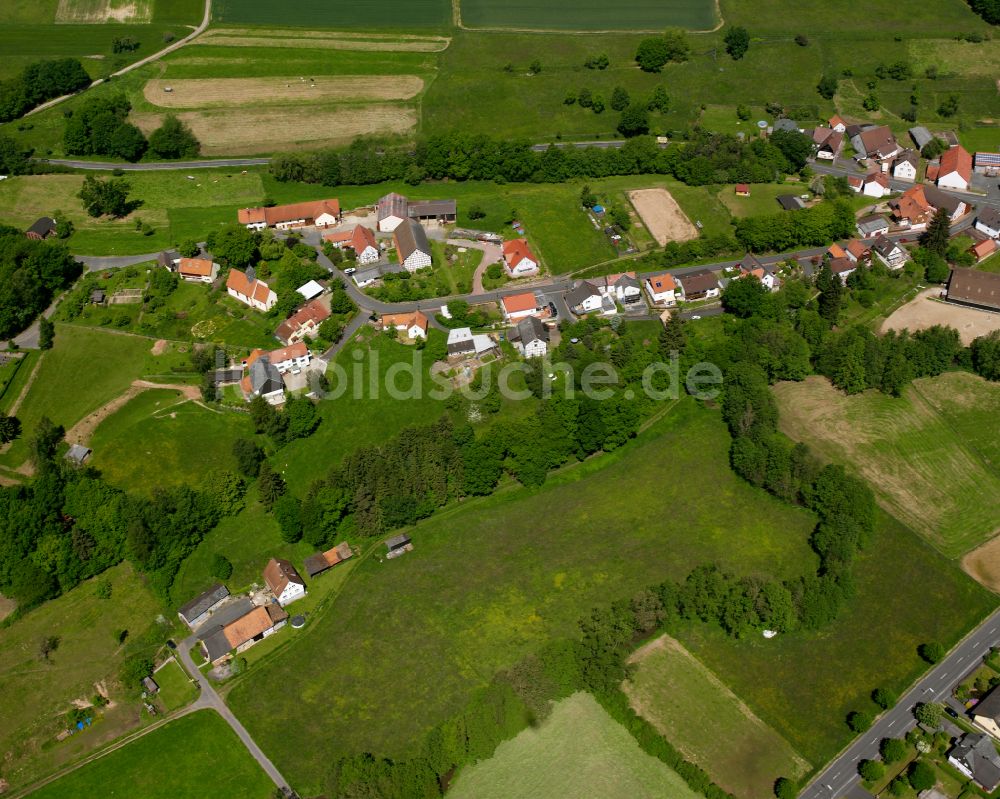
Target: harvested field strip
983	564
662	216
322	41
707	722
930	458
97	11
249	131
217	92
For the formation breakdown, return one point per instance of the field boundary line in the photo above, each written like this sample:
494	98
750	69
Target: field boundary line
16	405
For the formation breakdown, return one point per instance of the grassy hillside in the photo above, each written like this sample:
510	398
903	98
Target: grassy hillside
577	751
922	454
492	579
178	761
35	694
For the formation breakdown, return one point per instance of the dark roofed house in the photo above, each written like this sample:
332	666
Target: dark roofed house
321	561
97	297
284	581
196	611
790	202
988	222
397	545
978	290
412	247
235	608
149	685
975	755
42	228
699	285
871	226
786	124
216	646
438	210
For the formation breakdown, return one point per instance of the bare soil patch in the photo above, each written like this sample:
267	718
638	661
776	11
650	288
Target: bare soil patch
983	564
923	311
234	92
662	215
159	347
7	606
98	11
252	131
235	37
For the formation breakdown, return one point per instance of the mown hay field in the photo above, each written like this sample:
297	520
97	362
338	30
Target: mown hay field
590	15
579	750
219	92
94	11
322	40
248	131
932	457
707	722
399	14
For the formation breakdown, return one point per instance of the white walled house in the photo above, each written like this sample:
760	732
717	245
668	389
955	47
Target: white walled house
244	287
889	252
988	222
530	338
955	169
291	358
321	213
876	184
360	239
518	258
284	581
412	247
905	166
625	288
412	325
517	306
585	297
393	210
662	289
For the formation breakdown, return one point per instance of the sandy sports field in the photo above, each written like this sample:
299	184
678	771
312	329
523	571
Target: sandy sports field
319	40
97	11
983	564
923	311
252	131
662	215
219	92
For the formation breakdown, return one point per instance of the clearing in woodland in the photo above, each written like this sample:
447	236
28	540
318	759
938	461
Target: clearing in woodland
216	92
932	457
662	216
579	750
707	722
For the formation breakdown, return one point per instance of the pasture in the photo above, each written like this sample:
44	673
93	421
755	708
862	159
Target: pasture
159	439
707	722
541	559
35	694
931	457
85	370
176	761
804	684
593	16
579	750
321	14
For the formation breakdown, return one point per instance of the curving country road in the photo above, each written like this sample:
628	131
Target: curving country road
841	776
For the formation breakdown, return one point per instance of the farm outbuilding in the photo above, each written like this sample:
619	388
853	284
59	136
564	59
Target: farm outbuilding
398	545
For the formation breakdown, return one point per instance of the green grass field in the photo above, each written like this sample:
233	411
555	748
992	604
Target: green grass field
159	439
397	15
35	695
176	689
921	454
86	369
178	761
804	684
577	751
700	716
648	15
492	579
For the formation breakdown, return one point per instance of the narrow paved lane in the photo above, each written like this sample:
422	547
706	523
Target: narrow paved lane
935	686
210	698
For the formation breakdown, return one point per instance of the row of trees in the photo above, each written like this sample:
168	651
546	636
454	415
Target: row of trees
39	82
787	230
32	272
706	158
100	126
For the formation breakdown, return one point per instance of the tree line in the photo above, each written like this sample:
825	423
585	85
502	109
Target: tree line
705	158
39	82
32	272
100	126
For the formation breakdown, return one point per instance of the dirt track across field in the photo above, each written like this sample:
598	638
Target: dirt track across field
249	131
924	311
81	432
662	215
983	564
220	92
